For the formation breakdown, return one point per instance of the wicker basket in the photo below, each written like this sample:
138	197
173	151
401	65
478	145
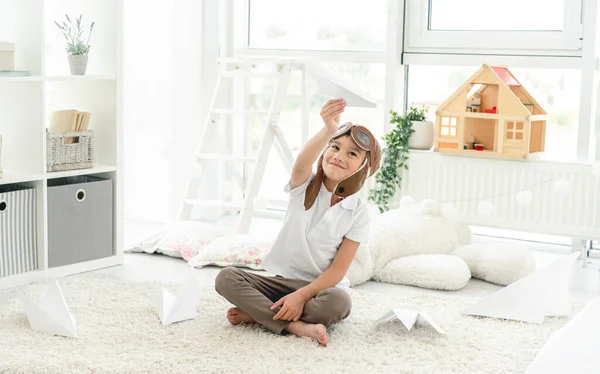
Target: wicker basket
63	155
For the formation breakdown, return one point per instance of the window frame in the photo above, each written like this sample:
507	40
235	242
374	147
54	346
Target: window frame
420	38
512	128
452	124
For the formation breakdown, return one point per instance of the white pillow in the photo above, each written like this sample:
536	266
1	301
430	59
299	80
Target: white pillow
406	232
439	272
238	250
183	239
361	268
501	264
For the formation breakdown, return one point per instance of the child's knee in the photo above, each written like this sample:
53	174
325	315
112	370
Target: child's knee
339	304
226	277
331	306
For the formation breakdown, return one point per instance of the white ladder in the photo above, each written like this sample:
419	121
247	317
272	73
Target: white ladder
231	68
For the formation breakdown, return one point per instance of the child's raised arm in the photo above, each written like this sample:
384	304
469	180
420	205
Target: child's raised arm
302	169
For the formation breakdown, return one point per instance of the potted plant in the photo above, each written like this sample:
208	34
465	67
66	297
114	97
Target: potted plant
78	46
395	156
423	136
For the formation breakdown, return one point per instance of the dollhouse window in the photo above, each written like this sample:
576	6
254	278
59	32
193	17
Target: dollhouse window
448	127
514	130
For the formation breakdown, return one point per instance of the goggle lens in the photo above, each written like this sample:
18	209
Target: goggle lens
363	138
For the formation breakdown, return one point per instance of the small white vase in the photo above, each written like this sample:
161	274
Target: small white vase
78	64
423	137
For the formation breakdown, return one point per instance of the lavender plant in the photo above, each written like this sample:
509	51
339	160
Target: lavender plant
74	35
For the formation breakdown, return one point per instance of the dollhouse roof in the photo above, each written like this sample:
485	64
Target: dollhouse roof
497	75
506	76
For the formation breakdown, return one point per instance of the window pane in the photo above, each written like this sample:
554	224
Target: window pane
506	15
353	25
369	77
556	90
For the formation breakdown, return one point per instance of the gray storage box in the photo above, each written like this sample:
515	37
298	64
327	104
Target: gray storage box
18	233
80	220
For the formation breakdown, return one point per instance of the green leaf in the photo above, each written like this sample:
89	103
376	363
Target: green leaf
395	156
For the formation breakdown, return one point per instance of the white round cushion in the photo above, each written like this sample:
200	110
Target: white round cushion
361	268
439	272
406	232
464	233
496	263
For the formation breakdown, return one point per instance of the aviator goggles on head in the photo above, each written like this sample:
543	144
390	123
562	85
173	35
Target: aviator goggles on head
361	136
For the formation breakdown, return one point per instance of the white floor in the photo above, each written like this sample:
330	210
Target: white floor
585	281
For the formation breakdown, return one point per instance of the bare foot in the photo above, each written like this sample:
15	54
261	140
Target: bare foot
236	316
315	331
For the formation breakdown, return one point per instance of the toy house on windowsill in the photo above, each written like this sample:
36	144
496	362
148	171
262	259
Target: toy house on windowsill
491	115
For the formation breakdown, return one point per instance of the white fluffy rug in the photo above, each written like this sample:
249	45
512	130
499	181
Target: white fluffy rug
120	333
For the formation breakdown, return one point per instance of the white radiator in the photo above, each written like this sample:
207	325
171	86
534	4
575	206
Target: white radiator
464	180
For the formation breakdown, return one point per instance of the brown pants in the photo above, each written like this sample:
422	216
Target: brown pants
255	294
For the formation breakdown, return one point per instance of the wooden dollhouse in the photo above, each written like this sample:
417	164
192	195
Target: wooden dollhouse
491	115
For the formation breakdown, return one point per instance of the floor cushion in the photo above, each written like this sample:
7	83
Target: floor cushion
183	239
405	232
497	263
440	272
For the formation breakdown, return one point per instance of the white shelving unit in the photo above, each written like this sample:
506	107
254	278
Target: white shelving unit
26	104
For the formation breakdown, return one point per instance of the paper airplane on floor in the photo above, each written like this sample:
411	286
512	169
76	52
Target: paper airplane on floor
409	318
532	298
171	308
52	314
573	348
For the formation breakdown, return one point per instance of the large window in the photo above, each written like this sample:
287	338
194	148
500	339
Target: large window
352	25
510	27
508	15
556	90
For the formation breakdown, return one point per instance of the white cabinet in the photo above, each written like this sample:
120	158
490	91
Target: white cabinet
27	102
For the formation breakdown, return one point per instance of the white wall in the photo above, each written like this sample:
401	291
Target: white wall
163	61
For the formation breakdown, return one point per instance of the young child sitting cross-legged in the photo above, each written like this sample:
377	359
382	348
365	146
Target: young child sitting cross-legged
325	223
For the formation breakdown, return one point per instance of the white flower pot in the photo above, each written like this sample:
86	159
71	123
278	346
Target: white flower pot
78	64
423	137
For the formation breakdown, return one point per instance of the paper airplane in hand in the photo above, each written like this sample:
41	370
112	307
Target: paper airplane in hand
52	314
542	293
409	318
332	84
171	308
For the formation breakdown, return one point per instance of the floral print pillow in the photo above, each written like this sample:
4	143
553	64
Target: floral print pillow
233	250
182	239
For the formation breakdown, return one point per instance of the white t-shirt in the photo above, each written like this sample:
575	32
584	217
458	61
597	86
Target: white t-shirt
309	239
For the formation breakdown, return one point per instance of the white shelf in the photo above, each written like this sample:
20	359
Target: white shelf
82	267
9	177
22	279
71	173
27	108
78	78
59	78
31	78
